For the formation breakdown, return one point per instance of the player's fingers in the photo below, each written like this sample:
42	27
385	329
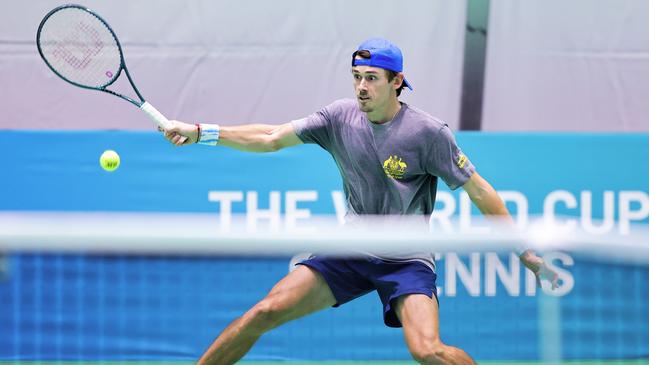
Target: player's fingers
550	275
176	139
555	281
180	140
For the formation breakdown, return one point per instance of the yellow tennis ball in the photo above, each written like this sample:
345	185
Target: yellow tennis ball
109	160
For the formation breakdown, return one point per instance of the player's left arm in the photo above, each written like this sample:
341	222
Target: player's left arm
484	197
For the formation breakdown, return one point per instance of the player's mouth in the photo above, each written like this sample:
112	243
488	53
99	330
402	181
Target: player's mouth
363	98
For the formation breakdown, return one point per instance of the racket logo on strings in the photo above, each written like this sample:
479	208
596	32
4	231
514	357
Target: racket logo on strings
81	48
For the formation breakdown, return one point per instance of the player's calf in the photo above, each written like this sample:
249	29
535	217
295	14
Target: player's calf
438	353
429	354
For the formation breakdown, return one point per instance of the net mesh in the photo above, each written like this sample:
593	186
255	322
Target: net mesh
73	297
80	47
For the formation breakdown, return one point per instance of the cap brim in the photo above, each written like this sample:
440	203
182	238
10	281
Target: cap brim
405	82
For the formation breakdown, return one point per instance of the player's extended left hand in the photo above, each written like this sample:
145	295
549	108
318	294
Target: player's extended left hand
540	269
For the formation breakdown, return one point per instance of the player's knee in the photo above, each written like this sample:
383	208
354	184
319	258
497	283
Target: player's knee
430	353
264	316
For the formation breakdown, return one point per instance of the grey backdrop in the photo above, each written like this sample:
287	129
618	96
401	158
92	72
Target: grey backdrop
551	65
577	65
232	61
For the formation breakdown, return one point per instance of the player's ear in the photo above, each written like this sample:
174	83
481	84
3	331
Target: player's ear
398	80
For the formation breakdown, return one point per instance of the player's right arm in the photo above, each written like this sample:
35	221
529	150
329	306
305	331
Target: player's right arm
250	137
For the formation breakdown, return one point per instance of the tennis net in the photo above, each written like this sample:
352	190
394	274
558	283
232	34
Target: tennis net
157	288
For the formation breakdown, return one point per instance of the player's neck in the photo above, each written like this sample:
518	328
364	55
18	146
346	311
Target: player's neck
386	114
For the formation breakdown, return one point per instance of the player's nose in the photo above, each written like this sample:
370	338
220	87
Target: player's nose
362	85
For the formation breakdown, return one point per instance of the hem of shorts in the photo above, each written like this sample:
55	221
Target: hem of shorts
414	291
325	279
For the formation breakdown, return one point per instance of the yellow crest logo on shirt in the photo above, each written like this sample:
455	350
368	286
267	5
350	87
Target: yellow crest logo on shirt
461	161
394	167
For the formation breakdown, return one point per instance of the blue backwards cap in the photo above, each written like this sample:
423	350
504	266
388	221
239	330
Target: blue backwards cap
383	54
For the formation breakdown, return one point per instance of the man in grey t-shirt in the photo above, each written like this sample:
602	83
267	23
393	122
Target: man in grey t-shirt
390	156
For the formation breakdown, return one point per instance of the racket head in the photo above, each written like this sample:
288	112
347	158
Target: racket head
80	47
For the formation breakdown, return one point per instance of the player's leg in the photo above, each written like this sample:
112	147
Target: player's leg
419	316
408	291
301	292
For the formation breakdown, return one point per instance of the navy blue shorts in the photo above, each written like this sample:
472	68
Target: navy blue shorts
350	278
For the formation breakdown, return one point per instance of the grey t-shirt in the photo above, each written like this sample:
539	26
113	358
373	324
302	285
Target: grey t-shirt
390	168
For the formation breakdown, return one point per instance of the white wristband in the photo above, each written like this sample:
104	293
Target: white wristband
209	134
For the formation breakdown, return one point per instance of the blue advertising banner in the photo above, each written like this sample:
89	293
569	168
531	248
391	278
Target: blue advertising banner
101	307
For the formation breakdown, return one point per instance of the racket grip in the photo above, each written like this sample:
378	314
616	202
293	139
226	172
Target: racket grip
155	115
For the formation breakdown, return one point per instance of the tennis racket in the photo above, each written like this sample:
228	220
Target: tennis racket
82	49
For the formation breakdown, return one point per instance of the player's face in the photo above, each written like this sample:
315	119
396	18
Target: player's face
373	90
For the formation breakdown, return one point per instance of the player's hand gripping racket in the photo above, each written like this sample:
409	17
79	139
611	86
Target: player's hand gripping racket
80	47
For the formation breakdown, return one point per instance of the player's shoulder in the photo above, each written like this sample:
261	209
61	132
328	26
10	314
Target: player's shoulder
341	110
424	121
344	105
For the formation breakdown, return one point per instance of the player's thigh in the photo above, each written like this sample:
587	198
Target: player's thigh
419	315
299	293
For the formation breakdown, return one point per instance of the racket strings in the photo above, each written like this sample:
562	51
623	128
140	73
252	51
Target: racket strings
75	51
80	47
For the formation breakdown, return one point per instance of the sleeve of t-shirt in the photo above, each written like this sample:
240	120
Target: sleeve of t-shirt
447	161
317	127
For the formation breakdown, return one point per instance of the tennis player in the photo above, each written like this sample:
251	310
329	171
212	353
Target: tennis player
390	155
